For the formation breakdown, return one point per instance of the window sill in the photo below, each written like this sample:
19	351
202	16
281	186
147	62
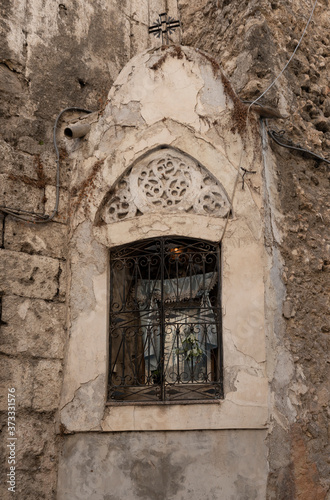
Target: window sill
186	415
164	403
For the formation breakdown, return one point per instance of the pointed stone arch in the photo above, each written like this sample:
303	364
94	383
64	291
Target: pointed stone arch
165	180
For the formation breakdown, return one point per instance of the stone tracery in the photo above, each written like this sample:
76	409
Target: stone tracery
166	180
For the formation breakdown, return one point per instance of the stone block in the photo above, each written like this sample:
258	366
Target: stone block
17	374
5	155
25	164
17	163
42	239
287	309
29	145
26	275
139	26
21	193
9	81
140	13
48	162
326	106
36	163
36	437
47	385
33	327
50	195
2	233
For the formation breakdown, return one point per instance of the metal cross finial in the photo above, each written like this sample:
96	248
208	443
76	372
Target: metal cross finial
164	26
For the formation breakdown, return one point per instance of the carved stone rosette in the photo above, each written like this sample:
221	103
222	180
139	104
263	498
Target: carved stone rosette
166	181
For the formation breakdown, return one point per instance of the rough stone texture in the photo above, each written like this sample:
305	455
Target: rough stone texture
36	456
164	466
18	194
32	327
2	232
29	275
17	373
47	375
37	382
50	198
39	239
56	55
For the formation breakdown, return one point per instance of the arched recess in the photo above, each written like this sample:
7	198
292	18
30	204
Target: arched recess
136	126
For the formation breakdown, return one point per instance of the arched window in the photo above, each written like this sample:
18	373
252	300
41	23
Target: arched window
165	321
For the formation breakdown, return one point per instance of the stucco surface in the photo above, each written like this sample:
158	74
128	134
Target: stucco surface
213	465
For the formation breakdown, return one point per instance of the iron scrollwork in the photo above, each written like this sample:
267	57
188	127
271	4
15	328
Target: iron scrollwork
165	321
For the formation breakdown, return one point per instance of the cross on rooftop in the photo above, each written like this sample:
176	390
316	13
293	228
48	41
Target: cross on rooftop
164	26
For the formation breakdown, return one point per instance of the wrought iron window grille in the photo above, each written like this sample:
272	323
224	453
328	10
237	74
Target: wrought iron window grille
165	321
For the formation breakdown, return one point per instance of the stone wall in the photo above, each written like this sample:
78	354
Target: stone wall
55	55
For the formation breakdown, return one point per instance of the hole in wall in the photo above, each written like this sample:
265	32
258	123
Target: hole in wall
82	83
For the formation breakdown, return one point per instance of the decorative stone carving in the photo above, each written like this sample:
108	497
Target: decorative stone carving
121	204
166	181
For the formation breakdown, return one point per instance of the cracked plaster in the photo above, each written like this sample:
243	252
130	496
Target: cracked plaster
172	123
280	366
159	91
74	412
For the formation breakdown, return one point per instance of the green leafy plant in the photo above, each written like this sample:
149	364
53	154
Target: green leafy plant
190	348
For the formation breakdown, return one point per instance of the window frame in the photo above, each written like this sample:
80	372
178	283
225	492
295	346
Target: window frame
210	386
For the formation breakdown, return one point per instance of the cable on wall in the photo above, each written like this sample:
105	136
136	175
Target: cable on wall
248	111
35	217
288	62
278	137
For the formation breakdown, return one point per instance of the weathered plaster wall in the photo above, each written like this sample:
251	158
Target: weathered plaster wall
227	464
193	96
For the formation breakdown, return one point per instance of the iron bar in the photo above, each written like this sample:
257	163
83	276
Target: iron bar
165	321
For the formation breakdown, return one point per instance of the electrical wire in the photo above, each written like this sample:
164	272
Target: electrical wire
292	56
249	109
275	136
35	217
